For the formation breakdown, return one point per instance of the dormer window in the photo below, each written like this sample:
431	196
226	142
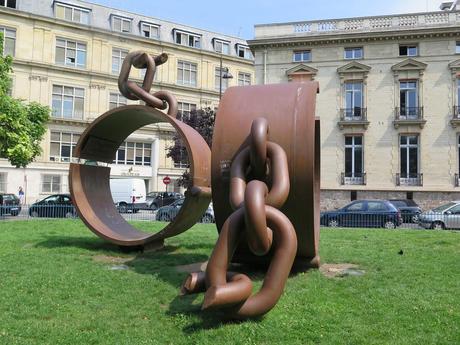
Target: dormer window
221	46
243	51
188	39
8	3
121	24
71	13
149	30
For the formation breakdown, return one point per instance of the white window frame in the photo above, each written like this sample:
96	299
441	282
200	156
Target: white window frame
354	55
408	46
79	47
407	146
8	33
407	90
187	69
246	51
54	180
224	46
4	3
84	13
65	97
244	79
218	72
120	55
123	21
134	145
185	109
149	26
301	55
187	39
74	137
353	87
457	47
116	100
3	181
353	146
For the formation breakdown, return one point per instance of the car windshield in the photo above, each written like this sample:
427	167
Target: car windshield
443	207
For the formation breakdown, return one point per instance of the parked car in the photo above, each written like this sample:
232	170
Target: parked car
128	194
169	212
364	214
156	200
446	216
410	211
54	206
9	204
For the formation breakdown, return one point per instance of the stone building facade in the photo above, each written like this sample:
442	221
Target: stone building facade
67	55
388	103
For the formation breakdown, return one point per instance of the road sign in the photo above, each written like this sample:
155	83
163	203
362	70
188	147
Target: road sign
167	180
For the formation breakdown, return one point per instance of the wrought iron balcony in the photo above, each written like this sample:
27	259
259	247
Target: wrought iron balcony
409	116
455	121
353	117
409	179
353	179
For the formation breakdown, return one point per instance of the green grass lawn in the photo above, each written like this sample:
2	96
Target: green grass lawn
58	286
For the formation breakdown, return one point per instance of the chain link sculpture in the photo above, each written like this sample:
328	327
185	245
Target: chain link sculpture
264	174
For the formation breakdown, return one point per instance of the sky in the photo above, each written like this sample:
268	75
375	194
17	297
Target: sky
237	17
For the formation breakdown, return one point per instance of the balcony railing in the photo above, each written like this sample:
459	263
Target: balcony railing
409	179
353	114
409	113
353	179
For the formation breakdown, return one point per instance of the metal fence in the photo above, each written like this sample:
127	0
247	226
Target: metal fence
425	220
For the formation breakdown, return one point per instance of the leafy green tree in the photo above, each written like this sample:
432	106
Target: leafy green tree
22	125
202	121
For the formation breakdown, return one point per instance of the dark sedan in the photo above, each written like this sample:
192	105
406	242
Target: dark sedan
156	200
168	213
410	211
9	204
364	214
54	206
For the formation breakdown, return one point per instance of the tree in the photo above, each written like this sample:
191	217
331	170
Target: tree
22	125
202	121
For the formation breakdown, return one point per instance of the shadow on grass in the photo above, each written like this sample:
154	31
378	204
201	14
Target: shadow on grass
86	243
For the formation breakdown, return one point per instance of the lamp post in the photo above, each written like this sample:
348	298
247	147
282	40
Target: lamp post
223	74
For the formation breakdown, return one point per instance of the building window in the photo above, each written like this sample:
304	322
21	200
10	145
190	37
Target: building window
62	146
244	79
68	102
186	73
72	13
243	51
221	46
353	53
408	102
51	184
118	56
185	109
3	182
408	50
221	74
121	24
70	53
353	99
150	30
8	3
409	157
9	40
187	39
132	153
302	55
116	100
457	47
353	158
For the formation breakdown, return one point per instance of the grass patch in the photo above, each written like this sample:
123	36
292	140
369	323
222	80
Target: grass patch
58	286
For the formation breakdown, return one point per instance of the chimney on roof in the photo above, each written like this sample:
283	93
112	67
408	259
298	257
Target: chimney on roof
449	6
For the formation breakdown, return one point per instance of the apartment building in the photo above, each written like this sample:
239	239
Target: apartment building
67	55
388	103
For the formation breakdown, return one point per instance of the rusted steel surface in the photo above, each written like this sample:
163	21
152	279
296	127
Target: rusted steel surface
290	113
89	184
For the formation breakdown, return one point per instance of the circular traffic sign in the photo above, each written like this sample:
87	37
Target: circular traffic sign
166	180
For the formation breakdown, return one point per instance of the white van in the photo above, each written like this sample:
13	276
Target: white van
128	194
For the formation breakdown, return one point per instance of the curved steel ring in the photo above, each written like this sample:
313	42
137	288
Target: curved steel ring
234	293
258	147
89	183
279	192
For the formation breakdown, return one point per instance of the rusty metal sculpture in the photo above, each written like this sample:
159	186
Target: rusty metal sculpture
265	183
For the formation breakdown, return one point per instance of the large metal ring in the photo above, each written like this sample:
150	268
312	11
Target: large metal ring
89	184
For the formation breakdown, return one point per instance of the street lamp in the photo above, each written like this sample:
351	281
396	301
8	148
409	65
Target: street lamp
223	74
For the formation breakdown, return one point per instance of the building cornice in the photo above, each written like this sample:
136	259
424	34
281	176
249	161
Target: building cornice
331	39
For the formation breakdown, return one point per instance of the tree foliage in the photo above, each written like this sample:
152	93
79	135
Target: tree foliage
22	125
202	121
